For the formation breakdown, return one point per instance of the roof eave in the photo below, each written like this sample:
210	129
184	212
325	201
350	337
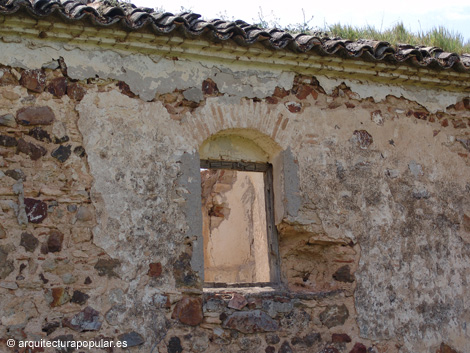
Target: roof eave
201	48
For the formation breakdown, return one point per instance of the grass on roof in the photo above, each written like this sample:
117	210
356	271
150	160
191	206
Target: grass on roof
441	37
437	37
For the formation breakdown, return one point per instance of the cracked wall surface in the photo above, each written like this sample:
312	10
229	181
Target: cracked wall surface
101	227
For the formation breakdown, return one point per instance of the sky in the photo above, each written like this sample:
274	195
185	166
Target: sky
415	14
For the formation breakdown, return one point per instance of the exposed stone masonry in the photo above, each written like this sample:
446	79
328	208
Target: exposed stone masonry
378	218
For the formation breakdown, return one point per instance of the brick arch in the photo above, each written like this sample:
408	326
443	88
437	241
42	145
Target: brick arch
264	124
239	144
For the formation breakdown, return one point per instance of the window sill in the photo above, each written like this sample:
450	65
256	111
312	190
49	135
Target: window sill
268	290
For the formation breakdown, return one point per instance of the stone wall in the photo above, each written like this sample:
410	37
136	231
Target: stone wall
101	214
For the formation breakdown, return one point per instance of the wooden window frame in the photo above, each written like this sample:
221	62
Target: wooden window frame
271	231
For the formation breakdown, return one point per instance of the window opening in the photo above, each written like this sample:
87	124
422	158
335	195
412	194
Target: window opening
240	242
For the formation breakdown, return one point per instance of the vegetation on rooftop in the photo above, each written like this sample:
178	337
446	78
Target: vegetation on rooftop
436	37
441	37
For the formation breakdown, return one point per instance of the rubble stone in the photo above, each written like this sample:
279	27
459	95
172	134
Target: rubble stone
359	348
8	141
188	311
86	320
58	296
362	138
54	241
8	120
34	80
36	210
62	153
237	302
40	134
29	242
107	267
33	151
250	322
334	315
343	274
174	345
76	91
132	339
35	115
57	86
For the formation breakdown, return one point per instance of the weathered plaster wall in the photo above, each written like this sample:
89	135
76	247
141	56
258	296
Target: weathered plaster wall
374	240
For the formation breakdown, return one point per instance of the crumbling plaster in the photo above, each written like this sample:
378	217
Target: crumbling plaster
396	205
148	74
433	100
364	203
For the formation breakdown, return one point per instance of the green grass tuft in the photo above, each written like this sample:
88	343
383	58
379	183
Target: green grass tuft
437	37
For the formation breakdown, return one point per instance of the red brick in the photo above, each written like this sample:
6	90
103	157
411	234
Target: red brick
293	107
280	92
155	269
303	91
271	100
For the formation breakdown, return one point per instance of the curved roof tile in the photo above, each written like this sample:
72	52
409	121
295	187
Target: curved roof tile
105	13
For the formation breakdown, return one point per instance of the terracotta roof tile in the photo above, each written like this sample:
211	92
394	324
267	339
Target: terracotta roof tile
104	13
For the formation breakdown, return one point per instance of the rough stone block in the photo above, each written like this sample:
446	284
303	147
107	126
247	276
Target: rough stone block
237	302
16	174
174	345
107	267
359	348
76	91
57	86
188	311
8	120
33	151
62	153
34	80
362	138
57	296
29	242
132	339
334	315
35	115
36	210
40	134
250	322
54	241
86	320
343	274
8	141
